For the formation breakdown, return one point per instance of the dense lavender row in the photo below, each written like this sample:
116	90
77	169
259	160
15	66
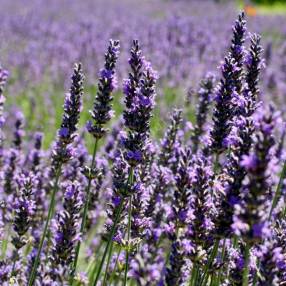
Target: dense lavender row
205	205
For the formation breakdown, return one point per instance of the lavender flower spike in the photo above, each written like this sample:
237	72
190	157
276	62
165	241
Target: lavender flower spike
237	50
66	228
223	111
24	209
137	118
253	66
250	220
101	112
72	106
62	151
170	137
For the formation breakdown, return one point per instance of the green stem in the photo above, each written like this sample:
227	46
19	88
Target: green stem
246	268
216	164
107	264
112	232
278	190
209	263
85	211
194	275
222	259
50	213
92	272
128	239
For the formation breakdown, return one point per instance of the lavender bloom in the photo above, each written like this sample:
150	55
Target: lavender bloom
170	138
253	66
280	237
36	154
270	258
66	228
224	110
72	106
182	216
182	191
237	50
236	261
120	191
24	209
250	220
239	142
19	132
174	276
101	112
9	172
137	117
204	97
5	270
136	62
202	206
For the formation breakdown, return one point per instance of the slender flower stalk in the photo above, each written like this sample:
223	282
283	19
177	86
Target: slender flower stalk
66	232
63	151
101	114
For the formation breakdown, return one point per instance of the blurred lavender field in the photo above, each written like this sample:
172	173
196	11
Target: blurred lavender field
41	42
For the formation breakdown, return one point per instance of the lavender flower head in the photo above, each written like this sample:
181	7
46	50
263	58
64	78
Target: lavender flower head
136	62
254	64
250	220
137	117
204	98
66	134
224	110
237	50
66	228
24	209
102	112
